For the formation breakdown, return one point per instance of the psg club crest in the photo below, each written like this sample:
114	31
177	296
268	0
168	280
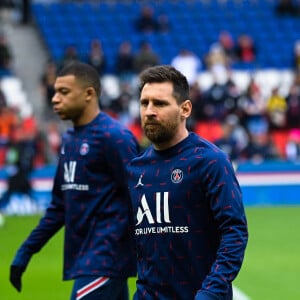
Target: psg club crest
84	149
177	176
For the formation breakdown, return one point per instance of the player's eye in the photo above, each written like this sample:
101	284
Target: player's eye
64	91
160	103
144	103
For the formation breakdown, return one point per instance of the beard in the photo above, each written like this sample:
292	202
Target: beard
159	133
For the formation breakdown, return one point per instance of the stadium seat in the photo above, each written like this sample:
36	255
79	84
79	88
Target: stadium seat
189	20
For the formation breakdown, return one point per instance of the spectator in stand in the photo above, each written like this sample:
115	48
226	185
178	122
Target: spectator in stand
276	112
214	105
5	55
96	56
52	142
18	183
197	100
146	22
124	66
47	86
292	147
121	105
234	137
221	98
297	78
253	108
2	100
287	7
296	57
228	143
216	58
276	107
20	156
8	120
188	63
245	49
145	57
227	43
70	55
260	147
25	134
293	107
233	95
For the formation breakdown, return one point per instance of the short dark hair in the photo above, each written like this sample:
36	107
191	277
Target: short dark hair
166	73
87	74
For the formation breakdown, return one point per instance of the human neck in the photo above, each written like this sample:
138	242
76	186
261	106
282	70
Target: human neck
168	144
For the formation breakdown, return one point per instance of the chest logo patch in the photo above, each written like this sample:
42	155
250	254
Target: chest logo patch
177	176
84	149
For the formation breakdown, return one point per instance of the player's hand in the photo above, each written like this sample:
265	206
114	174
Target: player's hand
15	276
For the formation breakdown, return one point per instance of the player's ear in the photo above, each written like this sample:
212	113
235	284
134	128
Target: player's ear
186	109
90	93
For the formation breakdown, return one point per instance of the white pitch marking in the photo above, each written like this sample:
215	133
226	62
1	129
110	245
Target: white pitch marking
239	295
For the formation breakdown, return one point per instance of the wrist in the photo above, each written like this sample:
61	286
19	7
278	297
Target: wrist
205	295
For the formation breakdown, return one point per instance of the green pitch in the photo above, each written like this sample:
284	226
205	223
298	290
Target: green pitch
270	270
272	262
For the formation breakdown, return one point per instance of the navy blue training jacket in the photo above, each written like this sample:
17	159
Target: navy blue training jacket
190	224
90	198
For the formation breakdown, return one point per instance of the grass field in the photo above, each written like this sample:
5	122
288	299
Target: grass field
270	270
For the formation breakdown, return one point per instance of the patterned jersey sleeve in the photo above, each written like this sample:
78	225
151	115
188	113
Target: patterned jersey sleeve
49	224
121	148
225	199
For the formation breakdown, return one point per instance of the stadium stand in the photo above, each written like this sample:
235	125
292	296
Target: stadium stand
193	23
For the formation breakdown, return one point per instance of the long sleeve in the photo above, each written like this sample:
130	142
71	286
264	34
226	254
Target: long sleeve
49	224
225	200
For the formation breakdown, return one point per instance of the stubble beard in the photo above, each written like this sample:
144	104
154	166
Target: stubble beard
160	134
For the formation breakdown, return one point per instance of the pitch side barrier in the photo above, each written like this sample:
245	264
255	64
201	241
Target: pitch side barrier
270	183
262	184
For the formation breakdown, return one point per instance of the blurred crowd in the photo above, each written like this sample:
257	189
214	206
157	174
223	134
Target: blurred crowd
246	124
24	143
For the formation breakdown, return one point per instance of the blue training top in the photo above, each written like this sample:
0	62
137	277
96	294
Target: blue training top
190	224
90	198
